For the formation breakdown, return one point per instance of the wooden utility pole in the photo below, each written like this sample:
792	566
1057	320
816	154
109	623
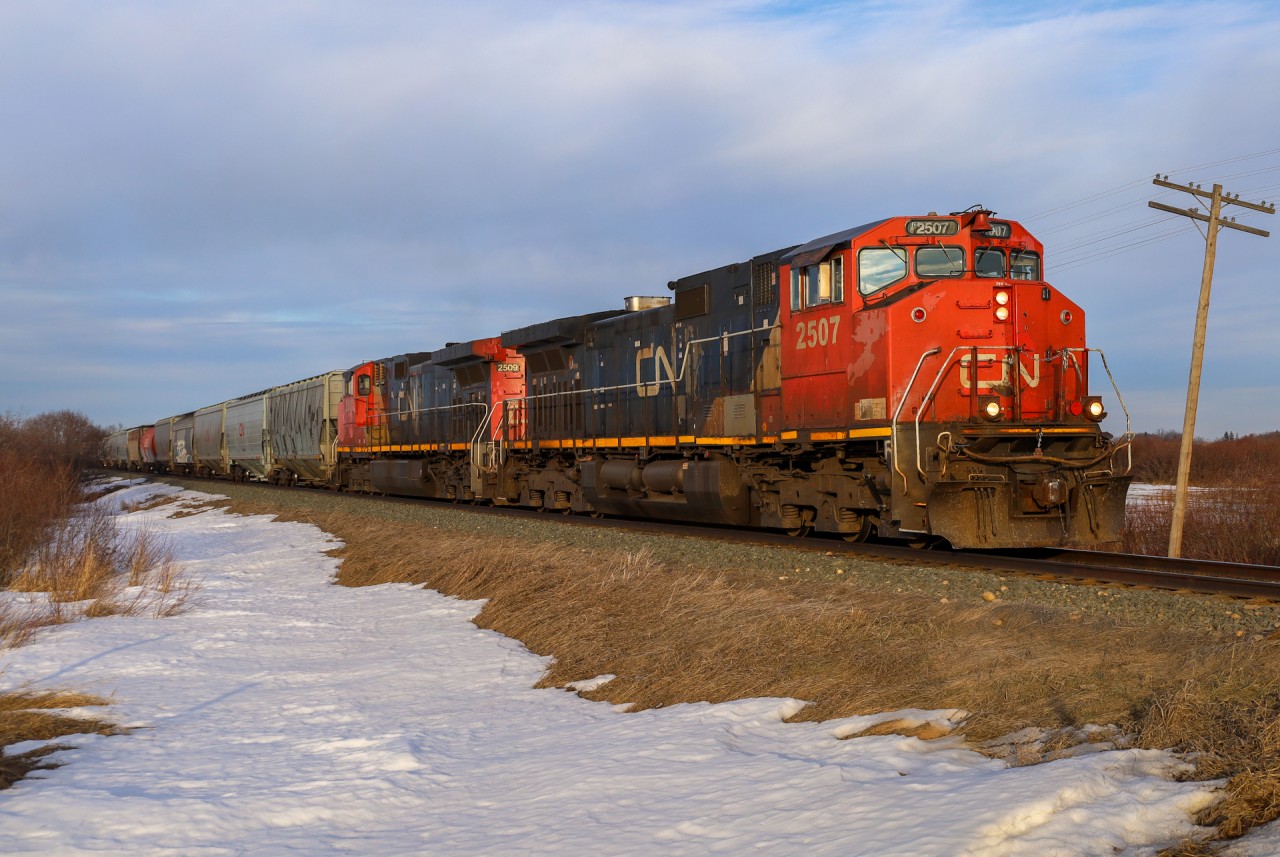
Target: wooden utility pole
1217	199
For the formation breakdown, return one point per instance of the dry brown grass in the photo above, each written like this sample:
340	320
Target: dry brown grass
1228	716
1225	525
93	571
34	495
41	459
674	635
34	716
1237	520
60	560
89	567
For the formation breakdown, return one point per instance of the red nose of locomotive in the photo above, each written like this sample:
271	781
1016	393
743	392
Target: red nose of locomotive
993	431
998	439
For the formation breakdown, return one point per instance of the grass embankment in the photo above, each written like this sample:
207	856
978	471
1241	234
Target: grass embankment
674	635
62	560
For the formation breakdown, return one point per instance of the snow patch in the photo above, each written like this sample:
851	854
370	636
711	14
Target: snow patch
285	715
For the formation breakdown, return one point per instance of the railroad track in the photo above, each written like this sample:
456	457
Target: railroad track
1234	580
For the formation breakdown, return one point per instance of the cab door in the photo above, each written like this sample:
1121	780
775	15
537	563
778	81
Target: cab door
362	416
816	343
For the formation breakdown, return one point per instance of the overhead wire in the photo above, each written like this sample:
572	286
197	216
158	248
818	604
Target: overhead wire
1077	250
1089	259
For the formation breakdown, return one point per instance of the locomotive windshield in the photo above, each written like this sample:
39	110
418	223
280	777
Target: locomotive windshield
989	262
1023	264
940	262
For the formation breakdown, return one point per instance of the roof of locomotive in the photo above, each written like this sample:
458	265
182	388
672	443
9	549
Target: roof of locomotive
817	249
560	332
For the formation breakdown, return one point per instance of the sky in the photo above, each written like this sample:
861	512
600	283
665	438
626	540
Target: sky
283	715
202	199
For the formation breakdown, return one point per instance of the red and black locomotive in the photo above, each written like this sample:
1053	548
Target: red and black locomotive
915	377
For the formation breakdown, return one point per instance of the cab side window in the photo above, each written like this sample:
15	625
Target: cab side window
1024	265
363	385
879	267
813	285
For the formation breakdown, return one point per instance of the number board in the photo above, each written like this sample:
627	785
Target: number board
932	227
999	230
508	367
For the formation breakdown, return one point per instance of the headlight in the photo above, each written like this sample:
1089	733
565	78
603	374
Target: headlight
990	408
1093	408
1002	313
1002	298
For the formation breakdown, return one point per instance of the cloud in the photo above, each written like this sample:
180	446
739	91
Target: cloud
252	192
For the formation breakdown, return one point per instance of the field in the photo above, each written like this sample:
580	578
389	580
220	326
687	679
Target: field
61	561
1235	517
675	634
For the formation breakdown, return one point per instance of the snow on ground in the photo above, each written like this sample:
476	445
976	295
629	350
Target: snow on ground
284	715
1147	492
1159	494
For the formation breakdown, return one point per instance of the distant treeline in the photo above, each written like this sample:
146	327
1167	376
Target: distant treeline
41	460
1251	460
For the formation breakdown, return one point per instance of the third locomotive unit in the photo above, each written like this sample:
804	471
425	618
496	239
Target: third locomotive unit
914	377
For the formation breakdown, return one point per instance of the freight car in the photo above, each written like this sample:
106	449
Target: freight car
130	449
914	377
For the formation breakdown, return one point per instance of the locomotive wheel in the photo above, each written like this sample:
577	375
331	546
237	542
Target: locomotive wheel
867	530
801	531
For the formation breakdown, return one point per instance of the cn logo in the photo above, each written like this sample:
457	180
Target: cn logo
1030	377
661	362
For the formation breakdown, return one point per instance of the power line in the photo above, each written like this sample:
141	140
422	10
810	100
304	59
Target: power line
1110	234
1077	249
1110	192
1088	259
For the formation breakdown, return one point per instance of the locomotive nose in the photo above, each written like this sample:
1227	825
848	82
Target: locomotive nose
1050	491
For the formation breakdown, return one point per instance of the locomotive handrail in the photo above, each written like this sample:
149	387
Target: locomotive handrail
413	411
902	403
475	436
684	360
933	389
679	376
1127	437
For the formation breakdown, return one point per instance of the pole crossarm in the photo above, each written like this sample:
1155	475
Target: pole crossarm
1207	196
1228	224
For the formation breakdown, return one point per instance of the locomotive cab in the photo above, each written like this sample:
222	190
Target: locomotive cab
939	335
